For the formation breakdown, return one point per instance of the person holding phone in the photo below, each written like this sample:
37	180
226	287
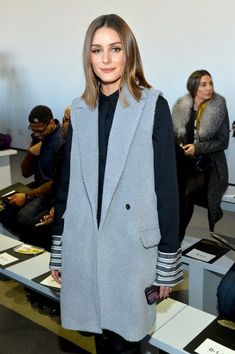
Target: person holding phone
116	214
201	126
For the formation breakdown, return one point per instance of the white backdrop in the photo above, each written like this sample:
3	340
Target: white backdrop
41	45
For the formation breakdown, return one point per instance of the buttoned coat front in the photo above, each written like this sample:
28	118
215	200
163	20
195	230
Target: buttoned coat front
105	270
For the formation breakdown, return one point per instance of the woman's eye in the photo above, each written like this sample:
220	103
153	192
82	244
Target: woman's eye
96	50
116	49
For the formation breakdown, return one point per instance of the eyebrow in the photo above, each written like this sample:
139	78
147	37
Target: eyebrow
99	45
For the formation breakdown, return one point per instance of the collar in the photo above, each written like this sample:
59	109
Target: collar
113	98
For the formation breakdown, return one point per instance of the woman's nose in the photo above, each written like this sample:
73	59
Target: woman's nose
106	57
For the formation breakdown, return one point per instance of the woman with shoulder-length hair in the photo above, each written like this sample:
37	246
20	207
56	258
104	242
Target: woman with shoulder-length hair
201	126
115	242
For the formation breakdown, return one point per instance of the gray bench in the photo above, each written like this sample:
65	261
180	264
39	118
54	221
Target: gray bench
26	271
228	200
204	278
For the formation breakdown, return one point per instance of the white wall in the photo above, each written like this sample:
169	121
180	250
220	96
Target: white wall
41	44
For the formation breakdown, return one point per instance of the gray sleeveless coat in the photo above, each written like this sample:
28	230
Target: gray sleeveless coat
105	271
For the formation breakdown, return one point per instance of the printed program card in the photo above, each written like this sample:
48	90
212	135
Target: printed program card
6	258
200	255
49	281
211	347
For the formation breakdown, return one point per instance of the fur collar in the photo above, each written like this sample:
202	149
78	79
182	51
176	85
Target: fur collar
212	117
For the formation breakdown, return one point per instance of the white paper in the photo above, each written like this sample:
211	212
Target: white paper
6	258
49	281
200	255
211	347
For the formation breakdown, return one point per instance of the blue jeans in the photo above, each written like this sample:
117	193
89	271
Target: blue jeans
226	295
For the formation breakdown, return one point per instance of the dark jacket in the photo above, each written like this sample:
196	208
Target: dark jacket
43	167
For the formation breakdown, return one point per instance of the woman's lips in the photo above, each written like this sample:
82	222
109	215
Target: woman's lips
107	70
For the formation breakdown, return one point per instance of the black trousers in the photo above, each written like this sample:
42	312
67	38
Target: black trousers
192	192
22	221
111	343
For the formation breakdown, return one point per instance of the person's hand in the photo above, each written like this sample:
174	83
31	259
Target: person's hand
56	275
189	149
49	218
35	149
18	199
164	292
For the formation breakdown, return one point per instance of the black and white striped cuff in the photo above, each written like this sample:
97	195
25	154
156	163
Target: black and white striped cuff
169	269
55	260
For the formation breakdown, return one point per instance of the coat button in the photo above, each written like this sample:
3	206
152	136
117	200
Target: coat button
127	206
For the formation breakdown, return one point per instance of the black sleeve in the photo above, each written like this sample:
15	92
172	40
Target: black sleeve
166	186
62	185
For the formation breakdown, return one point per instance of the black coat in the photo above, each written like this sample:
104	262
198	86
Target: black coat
213	138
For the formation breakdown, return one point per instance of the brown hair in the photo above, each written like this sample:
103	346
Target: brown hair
133	75
194	81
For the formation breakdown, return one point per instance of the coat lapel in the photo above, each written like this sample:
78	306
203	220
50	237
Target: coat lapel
122	133
87	121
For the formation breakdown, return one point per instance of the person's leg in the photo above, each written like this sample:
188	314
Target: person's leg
28	217
110	342
31	212
194	187
226	295
101	344
8	216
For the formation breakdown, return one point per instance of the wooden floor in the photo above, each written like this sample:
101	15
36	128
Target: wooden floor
13	297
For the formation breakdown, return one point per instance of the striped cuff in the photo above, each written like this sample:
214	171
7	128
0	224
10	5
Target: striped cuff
55	260
169	269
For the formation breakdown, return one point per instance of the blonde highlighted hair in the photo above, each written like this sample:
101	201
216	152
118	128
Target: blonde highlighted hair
133	74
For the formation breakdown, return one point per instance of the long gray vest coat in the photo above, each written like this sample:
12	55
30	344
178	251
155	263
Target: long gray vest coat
105	271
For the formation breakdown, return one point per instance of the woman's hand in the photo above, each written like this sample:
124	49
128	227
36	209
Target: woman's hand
189	149
56	275
164	292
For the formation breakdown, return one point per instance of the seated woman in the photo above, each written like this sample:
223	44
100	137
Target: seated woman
201	126
226	295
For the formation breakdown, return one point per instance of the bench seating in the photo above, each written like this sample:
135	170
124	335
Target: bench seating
204	278
228	200
5	170
167	334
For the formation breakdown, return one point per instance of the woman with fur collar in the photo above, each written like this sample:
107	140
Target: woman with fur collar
201	126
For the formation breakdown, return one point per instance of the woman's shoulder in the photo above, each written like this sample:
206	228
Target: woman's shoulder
150	93
218	99
77	102
182	108
184	101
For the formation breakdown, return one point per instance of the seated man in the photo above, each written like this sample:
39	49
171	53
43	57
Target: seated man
49	218
41	160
